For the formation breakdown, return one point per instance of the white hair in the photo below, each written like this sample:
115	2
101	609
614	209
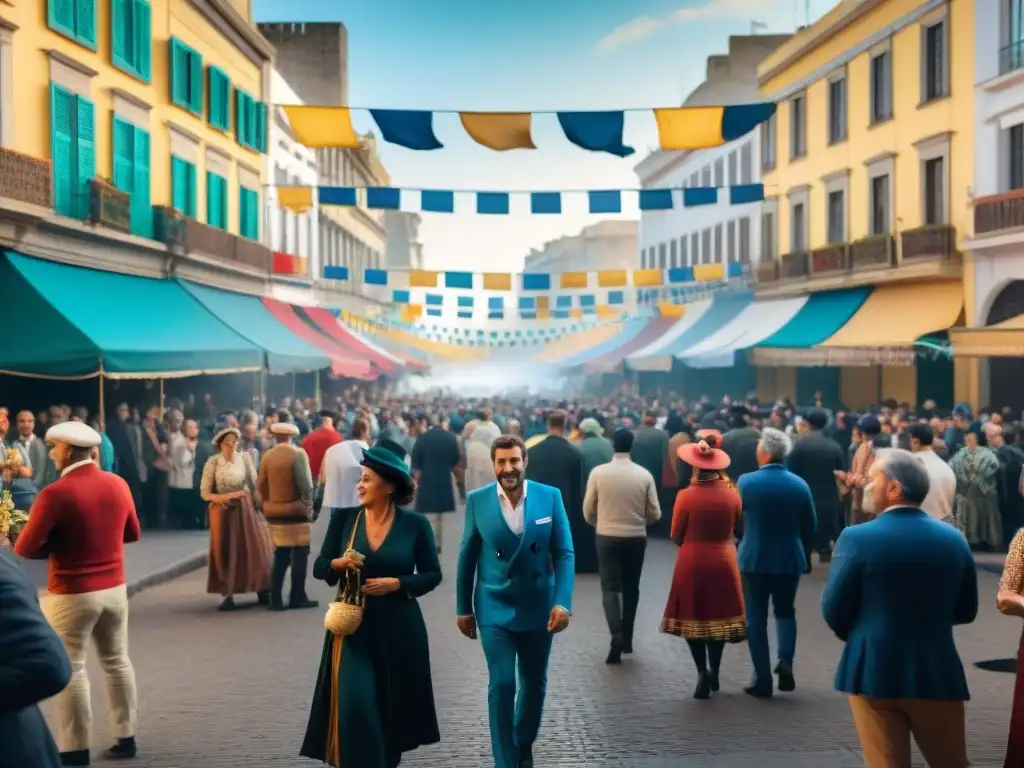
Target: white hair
776	444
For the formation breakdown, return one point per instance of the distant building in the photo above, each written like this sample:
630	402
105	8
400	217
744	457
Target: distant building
404	250
605	245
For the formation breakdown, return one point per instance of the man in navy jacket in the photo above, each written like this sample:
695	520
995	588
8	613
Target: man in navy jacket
897	587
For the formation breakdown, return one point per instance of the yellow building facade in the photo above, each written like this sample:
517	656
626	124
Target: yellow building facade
871	150
119	66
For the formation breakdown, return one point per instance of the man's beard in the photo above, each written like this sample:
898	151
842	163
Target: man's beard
511	480
869	499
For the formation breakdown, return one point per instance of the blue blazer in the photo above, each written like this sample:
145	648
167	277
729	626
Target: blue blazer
778	517
518	579
897	587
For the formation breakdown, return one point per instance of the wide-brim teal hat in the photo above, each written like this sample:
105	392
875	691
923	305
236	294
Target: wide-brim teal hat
385	463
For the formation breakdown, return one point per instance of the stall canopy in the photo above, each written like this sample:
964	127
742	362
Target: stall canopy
898	315
612	359
822	315
570	344
328	324
652	357
1005	339
343	361
73	322
755	322
285	352
627	331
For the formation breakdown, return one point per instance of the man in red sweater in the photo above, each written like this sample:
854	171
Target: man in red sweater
81	523
318	441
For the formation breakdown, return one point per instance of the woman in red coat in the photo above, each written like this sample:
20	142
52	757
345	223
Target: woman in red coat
705	603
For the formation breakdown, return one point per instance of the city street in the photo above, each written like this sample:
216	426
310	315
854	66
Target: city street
231	690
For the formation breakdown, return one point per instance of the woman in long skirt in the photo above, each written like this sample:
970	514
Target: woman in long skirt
705	602
1011	602
374	698
240	545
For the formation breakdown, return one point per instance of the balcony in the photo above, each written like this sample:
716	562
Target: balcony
109	206
927	253
25	179
189	236
1011	57
998	213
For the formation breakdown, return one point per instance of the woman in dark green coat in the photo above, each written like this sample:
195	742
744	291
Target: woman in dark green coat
374	699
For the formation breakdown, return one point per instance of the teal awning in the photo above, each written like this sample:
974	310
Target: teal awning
823	314
247	315
64	321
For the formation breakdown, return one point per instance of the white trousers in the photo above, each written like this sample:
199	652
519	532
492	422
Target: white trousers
103	617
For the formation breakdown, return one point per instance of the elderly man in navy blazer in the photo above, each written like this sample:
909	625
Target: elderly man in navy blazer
778	524
897	587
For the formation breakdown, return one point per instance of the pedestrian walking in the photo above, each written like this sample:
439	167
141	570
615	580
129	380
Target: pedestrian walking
900	665
705	601
435	457
285	485
374	697
941	479
816	458
514	586
621	502
342	467
778	528
81	522
36	667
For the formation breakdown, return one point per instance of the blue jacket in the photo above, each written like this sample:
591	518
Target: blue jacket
778	517
897	587
518	579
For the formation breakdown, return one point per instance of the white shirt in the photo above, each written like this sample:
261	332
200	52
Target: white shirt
183	462
76	465
342	471
939	501
515	517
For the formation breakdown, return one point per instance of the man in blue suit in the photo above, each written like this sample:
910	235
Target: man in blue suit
517	551
897	587
778	525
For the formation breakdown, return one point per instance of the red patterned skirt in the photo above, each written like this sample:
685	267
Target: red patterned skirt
706	598
1015	742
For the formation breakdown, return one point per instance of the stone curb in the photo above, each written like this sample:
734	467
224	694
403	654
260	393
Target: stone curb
170	573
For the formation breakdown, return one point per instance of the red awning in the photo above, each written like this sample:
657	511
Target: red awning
343	361
611	360
329	324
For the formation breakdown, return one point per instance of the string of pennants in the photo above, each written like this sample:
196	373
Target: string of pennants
365	324
299	200
679	128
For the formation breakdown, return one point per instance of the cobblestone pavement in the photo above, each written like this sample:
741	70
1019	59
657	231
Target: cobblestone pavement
233	690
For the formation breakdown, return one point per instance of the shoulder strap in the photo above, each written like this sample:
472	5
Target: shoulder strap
355	527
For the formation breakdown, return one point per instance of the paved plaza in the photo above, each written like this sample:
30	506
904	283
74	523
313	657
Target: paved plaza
233	690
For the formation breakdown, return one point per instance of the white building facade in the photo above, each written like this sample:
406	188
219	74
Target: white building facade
609	244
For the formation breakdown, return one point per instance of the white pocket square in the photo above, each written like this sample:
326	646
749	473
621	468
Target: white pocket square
543	520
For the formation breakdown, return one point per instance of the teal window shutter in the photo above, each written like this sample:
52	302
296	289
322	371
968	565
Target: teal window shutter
62	131
142	32
195	82
261	127
211	200
121	38
131	37
186	80
192	192
142	211
241	116
85	22
216	201
60	16
124	155
85	148
243	211
219	98
248	213
179	184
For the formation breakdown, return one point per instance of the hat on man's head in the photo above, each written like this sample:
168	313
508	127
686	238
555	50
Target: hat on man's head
284	428
591	426
74	433
817	418
391	445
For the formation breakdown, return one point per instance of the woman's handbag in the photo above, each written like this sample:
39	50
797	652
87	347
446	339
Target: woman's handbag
345	614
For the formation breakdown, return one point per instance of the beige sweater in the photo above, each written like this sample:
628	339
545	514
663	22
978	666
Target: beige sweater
621	499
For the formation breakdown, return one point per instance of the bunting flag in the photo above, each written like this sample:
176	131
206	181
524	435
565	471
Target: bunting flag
679	128
491	203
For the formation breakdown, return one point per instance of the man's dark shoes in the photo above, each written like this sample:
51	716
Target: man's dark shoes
759	690
526	757
303	602
614	653
125	749
703	690
75	758
786	680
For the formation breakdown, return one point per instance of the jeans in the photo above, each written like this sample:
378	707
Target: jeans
620	561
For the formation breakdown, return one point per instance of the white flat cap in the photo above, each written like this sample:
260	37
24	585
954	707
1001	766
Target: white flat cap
74	433
284	428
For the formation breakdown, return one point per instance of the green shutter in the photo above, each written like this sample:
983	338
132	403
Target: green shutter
241	126
192	192
142	33
142	211
179	184
211	199
216	200
60	16
62	122
261	127
124	155
179	68
219	98
195	82
85	22
248	213
85	149
120	33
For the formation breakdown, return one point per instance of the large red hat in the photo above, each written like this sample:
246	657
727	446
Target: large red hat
705	454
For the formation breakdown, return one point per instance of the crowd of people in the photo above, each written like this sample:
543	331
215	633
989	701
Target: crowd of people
749	492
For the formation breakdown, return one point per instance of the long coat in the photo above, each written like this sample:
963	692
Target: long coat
815	458
650	451
435	456
556	462
741	446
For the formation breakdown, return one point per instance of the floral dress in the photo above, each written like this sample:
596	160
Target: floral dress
976	506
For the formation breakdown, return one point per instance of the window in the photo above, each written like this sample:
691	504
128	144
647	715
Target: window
1012	55
673	254
72	142
131	37
249	213
661	256
694	250
797	239
744	255
746	164
75	19
706	257
719	173
684	257
837	110
186	77
880	205
216	201
183	186
934	191
705	176
797	128
767	236
1015	138
695	180
131	173
250	121
935	64
733	174
220	98
731	242
768	144
881	87
836	217
718	244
